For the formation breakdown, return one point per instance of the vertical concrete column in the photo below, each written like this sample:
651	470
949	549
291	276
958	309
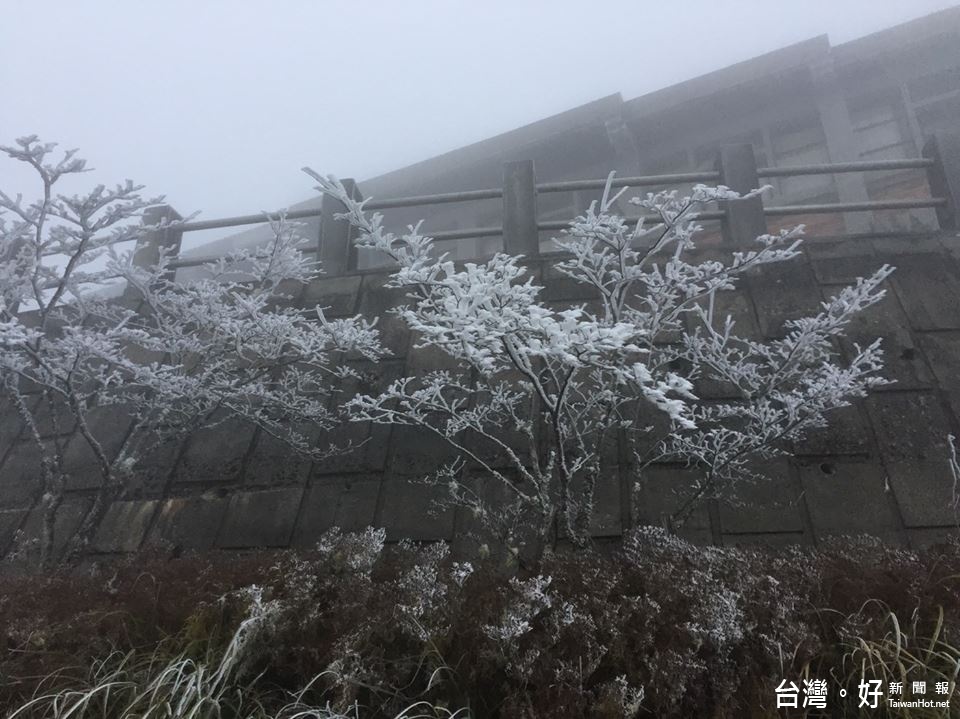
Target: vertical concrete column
159	236
336	252
944	176
841	141
520	235
744	222
12	250
626	155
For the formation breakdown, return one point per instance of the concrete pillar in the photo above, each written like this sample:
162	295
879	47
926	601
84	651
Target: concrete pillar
841	141
738	171
158	237
336	251
520	234
626	155
151	243
12	250
944	177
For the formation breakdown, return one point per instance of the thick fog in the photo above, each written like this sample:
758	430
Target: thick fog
218	104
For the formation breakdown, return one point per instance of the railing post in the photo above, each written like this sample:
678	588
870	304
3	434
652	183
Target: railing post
520	234
336	251
831	103
738	170
160	236
944	176
13	249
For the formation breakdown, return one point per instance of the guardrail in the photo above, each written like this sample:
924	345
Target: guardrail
742	220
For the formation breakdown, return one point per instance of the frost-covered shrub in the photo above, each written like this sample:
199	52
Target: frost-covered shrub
553	390
661	628
661	625
172	357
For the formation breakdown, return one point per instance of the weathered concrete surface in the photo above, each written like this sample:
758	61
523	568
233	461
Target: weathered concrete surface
20	476
770	505
929	289
10	521
886	320
849	497
909	426
85	469
336	296
849	432
407	510
188	522
69	516
782	292
260	519
216	454
10	426
880	468
124	526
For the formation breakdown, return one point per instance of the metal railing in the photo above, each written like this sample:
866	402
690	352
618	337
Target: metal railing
916	163
869	206
736	168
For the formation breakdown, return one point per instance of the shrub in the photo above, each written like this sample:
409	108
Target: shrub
168	356
548	389
659	627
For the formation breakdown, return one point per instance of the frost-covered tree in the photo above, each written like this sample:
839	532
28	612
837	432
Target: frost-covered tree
182	356
569	381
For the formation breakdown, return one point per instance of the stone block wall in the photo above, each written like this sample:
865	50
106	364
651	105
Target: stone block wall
880	468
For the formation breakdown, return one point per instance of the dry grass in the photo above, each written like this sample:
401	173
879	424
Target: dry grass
160	687
876	645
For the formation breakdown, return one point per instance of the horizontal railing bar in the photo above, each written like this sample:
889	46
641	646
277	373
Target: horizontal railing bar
838	167
182	262
494	193
466	233
260	219
711	215
239	220
855	206
641	181
316	212
443	235
100	280
653	219
877	235
192	262
555	225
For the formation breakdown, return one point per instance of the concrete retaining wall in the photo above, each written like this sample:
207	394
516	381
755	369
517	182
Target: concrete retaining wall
881	468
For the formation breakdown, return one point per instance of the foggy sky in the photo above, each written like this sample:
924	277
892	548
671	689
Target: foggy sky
217	104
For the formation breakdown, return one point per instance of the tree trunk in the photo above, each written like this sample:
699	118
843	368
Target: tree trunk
51	502
84	535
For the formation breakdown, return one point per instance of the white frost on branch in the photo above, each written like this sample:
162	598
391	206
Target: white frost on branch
173	356
551	389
